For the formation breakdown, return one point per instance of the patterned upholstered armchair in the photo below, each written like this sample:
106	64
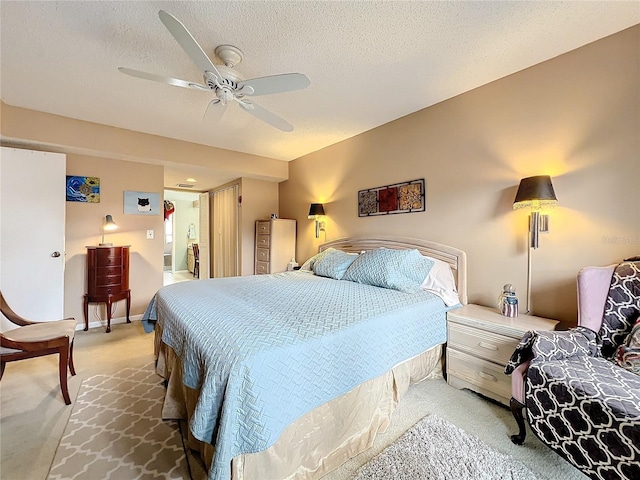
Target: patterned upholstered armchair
579	401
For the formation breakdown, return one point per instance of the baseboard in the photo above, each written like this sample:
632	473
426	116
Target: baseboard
114	321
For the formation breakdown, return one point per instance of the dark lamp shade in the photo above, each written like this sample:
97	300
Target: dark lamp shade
316	209
109	224
535	192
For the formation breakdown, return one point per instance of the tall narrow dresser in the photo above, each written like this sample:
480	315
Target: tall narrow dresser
107	279
275	245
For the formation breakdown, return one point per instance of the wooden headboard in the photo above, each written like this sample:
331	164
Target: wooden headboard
456	258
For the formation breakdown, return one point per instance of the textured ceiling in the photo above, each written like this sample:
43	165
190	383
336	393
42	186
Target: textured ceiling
369	62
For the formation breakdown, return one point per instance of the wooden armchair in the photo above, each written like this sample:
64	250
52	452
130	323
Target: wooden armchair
35	339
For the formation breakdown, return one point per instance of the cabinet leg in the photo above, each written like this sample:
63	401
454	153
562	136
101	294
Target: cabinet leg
86	313
109	303
516	409
128	305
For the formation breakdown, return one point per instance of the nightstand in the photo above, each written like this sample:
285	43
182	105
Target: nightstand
480	342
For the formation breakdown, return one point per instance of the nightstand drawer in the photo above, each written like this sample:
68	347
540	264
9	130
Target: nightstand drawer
490	346
485	375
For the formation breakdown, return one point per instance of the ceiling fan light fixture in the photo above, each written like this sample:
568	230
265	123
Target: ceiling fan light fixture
225	95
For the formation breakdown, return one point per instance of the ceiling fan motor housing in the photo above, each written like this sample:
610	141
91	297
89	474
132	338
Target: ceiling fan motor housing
230	78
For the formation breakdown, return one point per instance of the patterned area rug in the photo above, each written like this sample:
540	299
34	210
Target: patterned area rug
438	450
116	432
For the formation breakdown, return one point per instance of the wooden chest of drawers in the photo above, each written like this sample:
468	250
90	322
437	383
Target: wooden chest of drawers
480	342
107	279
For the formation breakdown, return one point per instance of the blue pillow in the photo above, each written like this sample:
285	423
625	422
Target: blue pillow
333	263
402	270
308	265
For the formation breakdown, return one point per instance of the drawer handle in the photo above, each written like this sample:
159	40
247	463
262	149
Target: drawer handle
487	376
488	346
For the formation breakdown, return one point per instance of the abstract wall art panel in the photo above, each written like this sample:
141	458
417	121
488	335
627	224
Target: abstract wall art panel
405	197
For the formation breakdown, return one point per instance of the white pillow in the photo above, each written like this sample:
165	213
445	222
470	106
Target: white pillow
306	266
440	282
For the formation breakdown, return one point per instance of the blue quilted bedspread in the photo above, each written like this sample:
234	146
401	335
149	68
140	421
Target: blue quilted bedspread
264	350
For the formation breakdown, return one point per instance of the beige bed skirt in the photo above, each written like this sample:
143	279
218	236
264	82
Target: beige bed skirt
319	441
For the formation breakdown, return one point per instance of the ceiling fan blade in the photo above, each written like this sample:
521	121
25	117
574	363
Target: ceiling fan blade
215	110
286	82
188	43
266	116
163	79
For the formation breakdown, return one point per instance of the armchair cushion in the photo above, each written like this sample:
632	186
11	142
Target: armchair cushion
588	412
39	332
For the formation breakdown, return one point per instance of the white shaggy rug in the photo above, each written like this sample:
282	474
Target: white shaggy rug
434	449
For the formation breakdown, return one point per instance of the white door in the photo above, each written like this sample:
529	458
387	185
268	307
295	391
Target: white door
32	226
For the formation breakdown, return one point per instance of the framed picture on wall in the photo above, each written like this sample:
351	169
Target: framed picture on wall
141	203
83	189
405	197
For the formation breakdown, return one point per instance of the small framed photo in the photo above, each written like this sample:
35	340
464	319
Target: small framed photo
141	203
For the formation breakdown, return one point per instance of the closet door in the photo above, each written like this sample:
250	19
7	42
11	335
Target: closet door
226	251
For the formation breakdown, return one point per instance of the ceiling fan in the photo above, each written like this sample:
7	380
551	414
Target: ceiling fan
225	82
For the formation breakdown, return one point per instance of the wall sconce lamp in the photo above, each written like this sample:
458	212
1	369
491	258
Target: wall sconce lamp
535	193
108	226
316	210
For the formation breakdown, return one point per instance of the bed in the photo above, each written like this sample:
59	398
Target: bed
289	375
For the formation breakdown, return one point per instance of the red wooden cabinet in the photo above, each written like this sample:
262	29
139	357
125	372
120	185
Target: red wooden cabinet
107	279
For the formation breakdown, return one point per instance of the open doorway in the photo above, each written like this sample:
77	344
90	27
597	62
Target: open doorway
181	232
